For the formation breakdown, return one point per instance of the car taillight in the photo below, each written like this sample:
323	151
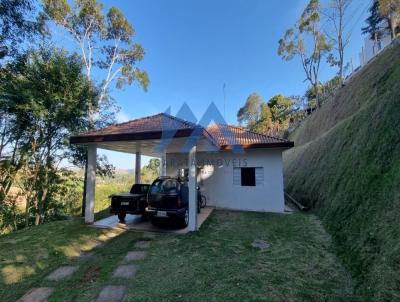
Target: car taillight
179	202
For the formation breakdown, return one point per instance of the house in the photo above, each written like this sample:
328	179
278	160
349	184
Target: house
235	168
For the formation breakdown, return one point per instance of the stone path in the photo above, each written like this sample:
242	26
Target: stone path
62	273
125	271
112	293
109	293
37	294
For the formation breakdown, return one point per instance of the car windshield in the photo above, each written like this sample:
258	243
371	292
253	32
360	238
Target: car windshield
139	189
168	186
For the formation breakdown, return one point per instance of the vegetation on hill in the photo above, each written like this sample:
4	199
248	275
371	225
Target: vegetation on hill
346	166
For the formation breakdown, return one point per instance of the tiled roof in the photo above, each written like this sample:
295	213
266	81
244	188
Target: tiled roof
221	135
154	123
227	135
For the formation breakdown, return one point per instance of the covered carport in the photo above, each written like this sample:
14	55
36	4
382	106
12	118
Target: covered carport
154	136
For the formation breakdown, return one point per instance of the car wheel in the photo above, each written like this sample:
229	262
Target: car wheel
184	220
145	217
121	217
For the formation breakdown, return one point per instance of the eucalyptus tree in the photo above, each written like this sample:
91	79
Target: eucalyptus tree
106	42
338	15
306	41
390	11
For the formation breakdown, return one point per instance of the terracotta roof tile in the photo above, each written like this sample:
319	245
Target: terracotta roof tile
154	123
221	135
226	135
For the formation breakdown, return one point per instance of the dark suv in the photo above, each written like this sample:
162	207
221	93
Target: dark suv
168	198
133	202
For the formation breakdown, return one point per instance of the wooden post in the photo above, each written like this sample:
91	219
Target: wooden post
90	184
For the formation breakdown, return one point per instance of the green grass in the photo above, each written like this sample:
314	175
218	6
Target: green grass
346	165
217	263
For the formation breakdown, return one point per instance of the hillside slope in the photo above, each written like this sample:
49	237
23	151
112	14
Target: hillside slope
346	165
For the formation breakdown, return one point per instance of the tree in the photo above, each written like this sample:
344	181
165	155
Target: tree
18	22
250	112
337	15
375	27
281	109
294	43
390	11
104	41
151	171
270	117
43	114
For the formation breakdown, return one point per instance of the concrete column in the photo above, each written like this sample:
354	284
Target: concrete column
137	167
192	190
90	184
163	171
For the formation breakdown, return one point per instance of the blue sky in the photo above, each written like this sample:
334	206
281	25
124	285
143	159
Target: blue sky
194	47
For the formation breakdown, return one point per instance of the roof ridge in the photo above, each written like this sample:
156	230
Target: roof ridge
256	133
180	119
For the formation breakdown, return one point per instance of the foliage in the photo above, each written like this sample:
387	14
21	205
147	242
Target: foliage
270	117
151	171
19	21
294	43
338	17
390	10
39	118
249	113
346	166
325	91
105	41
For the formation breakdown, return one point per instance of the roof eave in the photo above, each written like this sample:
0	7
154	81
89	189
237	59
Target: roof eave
284	145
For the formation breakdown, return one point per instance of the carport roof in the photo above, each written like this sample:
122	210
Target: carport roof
154	127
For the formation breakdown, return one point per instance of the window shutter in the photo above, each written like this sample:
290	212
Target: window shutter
236	176
259	176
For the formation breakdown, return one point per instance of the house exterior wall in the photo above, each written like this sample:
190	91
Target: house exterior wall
216	178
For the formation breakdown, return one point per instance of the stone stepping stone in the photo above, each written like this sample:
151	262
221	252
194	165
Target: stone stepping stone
142	244
62	273
261	244
112	293
37	294
149	236
125	271
83	256
134	255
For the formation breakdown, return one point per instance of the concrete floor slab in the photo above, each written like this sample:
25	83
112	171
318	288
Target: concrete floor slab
134	256
37	294
135	222
112	293
62	273
125	271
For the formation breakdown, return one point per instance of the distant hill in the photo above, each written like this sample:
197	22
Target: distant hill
346	166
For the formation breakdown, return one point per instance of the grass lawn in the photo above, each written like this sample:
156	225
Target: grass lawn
217	263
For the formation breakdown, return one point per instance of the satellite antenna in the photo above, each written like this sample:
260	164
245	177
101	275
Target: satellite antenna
223	91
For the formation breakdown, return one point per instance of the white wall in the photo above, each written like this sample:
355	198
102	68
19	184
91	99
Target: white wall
216	178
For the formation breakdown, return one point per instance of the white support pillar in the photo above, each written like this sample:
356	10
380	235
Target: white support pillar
163	171
90	184
192	190
137	167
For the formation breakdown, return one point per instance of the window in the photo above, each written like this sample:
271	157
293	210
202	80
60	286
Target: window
248	177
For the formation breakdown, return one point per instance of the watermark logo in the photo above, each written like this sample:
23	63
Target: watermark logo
197	129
